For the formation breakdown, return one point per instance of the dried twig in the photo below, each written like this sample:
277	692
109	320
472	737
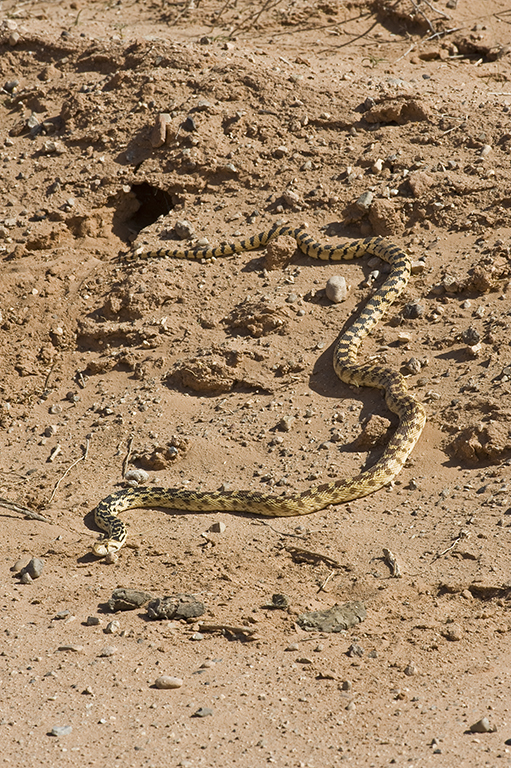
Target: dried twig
463	534
80	458
128	455
325	582
281	533
15	507
232	629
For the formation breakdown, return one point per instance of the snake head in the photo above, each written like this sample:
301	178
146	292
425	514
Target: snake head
105	547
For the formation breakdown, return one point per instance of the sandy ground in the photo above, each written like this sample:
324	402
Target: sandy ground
148	125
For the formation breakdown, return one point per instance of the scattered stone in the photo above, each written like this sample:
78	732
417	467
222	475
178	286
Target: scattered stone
346	685
20	564
34	568
198	636
92	621
282	602
61	730
355	650
471	336
203	712
482	726
291	198
364	201
286	423
26	578
218	528
180	606
413	365
107	651
453	633
61	615
112	627
136	477
336	289
413	310
338	618
411	669
292	647
304	660
165	682
183	229
127	599
72	648
281	151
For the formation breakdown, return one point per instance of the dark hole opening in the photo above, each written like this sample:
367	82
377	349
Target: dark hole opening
154	202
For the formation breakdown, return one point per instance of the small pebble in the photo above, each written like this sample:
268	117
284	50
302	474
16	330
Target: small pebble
336	289
203	712
482	726
107	651
197	636
413	310
411	669
471	336
112	627
292	647
355	650
20	564
61	730
183	229
26	578
166	682
286	423
453	633
73	648
280	601
364	201
34	568
218	528
136	476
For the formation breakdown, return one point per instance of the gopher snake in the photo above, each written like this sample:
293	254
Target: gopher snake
411	413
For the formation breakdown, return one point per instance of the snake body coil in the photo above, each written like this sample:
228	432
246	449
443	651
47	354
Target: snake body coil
411	413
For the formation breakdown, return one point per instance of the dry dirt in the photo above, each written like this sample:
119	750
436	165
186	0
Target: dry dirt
219	375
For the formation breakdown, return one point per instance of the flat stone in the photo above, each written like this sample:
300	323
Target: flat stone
123	599
338	618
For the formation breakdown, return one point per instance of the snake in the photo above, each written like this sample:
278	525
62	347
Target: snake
372	373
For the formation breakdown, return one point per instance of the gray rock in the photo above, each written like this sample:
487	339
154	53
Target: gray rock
34	568
166	682
203	712
178	606
127	599
61	730
364	201
335	619
482	726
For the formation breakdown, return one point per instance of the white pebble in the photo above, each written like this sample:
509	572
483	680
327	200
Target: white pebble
165	681
336	289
